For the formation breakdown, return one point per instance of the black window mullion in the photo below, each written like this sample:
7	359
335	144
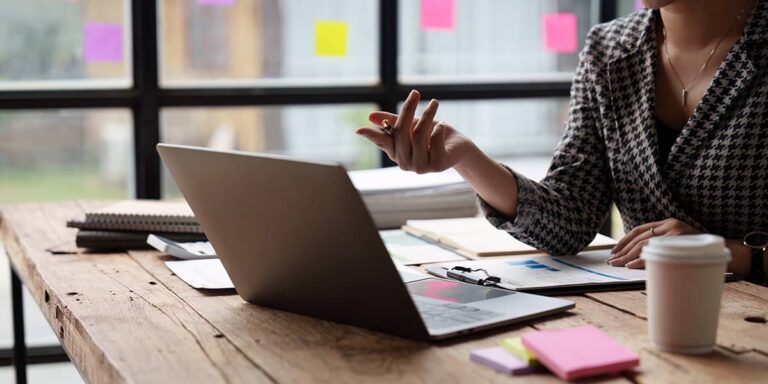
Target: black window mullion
388	62
146	111
608	10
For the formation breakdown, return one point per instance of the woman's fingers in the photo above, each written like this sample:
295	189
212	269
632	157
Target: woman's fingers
632	234
660	230
403	130
381	139
437	154
633	254
378	117
420	138
636	264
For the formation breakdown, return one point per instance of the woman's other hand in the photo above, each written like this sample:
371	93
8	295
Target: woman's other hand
418	144
627	251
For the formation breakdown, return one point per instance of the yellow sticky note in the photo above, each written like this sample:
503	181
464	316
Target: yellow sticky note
516	347
330	38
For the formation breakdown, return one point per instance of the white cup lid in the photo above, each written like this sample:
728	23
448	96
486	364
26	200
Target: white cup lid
687	249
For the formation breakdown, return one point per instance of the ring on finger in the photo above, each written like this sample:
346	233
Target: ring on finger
387	128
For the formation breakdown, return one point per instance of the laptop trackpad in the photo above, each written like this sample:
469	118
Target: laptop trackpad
454	292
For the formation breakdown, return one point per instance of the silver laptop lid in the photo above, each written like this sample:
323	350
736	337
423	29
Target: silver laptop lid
294	236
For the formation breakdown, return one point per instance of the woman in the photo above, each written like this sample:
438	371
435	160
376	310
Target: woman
668	120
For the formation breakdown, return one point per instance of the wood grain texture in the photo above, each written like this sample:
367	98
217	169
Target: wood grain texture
124	317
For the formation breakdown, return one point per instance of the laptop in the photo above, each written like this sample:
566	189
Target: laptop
295	236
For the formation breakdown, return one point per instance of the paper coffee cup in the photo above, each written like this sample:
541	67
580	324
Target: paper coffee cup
685	282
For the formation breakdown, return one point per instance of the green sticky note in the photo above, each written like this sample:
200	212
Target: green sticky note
330	38
516	347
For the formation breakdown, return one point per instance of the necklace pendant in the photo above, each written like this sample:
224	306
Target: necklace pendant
684	95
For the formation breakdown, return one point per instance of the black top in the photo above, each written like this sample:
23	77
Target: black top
666	137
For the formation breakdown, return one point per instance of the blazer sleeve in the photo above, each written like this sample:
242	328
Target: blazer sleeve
561	214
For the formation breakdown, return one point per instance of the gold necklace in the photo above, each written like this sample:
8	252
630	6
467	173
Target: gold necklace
684	92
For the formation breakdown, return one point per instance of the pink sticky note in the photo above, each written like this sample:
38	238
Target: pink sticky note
559	30
499	359
103	42
639	5
221	3
579	352
438	14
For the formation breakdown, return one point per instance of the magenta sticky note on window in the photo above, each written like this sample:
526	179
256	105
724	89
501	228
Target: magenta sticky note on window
103	42
638	5
559	31
220	3
438	14
578	352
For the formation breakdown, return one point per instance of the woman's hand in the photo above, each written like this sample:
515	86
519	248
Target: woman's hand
627	250
418	144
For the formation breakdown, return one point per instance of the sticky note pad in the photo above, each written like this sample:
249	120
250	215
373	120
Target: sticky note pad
330	38
221	3
438	14
103	42
638	5
559	32
515	346
501	360
579	352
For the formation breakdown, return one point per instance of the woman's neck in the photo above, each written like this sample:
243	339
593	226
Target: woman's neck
693	25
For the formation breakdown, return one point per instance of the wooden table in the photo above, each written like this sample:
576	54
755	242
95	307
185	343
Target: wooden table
124	317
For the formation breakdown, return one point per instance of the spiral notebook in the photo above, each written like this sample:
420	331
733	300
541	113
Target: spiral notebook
141	216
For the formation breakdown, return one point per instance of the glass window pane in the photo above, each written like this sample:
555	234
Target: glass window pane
317	132
492	40
65	154
508	128
64	44
625	7
268	42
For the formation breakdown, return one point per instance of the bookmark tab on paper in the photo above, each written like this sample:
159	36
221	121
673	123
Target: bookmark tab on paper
579	352
330	38
103	42
438	14
501	360
515	346
559	32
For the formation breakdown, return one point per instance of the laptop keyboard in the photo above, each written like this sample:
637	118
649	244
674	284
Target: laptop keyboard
447	315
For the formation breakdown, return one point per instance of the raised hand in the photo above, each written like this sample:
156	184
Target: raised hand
418	144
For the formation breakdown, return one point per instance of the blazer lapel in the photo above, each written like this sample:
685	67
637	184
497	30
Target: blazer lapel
632	83
733	76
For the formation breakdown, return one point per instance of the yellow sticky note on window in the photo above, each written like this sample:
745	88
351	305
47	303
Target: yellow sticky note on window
330	38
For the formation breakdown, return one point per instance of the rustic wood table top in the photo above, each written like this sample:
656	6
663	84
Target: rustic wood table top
124	317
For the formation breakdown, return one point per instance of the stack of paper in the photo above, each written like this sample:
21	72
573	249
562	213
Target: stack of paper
394	196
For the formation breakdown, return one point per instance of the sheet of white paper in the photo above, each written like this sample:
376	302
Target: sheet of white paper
408	274
395	179
210	273
411	250
201	274
549	271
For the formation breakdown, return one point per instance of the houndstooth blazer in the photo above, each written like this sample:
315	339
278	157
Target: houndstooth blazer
716	177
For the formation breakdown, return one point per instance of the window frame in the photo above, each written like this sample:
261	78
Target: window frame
146	98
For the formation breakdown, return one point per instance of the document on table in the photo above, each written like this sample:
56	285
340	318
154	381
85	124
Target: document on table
210	273
409	250
201	274
539	272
